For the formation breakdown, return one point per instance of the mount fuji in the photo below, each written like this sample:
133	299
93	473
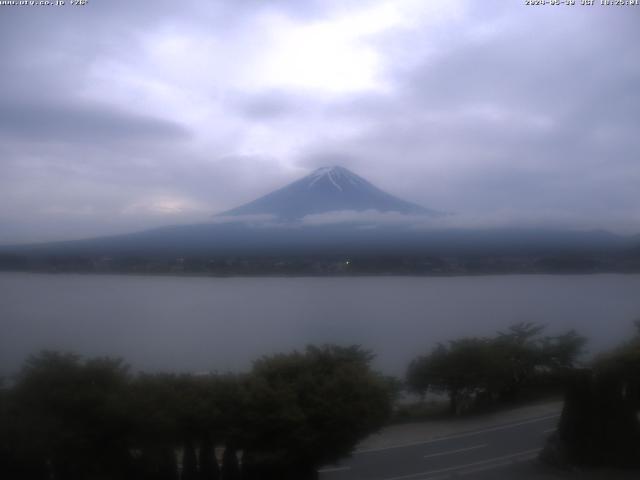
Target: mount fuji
290	222
325	190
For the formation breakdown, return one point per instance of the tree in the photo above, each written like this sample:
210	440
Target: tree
562	351
599	425
463	369
308	409
72	415
481	370
189	462
230	467
69	418
519	350
209	469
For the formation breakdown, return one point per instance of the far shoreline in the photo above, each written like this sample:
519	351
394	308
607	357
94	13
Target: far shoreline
308	275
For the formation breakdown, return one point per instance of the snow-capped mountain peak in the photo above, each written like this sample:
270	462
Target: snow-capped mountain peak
336	176
327	189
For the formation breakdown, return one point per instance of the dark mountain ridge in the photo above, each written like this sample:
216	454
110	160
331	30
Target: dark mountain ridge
287	235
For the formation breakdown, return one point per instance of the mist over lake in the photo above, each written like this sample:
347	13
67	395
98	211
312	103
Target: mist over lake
202	324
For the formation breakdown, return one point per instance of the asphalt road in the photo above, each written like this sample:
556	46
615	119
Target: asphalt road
499	451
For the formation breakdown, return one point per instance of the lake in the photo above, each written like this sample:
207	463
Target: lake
200	323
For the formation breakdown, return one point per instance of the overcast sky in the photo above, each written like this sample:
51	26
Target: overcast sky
121	115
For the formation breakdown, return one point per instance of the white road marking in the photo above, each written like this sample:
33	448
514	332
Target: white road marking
530	454
334	469
484	468
458	435
496	461
451	452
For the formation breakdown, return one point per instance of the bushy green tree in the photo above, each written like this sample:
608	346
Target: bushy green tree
189	462
311	408
209	469
482	370
230	466
599	424
461	369
72	415
69	418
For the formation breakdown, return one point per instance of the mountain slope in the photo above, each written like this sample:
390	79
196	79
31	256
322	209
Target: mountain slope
245	239
325	190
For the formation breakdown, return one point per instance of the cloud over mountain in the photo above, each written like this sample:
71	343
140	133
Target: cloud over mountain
472	107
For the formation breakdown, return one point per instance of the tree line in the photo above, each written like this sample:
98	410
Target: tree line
600	422
477	372
68	418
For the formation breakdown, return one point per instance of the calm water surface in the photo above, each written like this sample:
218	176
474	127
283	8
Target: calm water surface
198	324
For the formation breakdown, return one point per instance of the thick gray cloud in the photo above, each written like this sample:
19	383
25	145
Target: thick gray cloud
537	115
119	116
270	105
40	122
